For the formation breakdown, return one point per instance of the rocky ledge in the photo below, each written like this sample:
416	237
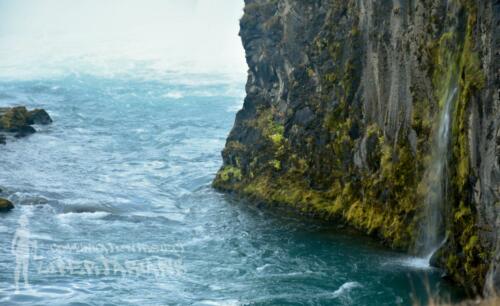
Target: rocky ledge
18	121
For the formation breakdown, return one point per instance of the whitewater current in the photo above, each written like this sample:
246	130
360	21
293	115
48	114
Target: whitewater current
115	205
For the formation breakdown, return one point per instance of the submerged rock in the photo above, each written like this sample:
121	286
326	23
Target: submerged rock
5	205
25	131
18	120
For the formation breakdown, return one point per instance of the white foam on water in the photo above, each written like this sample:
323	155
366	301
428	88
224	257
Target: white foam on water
345	288
263	267
219	303
175	94
419	263
72	216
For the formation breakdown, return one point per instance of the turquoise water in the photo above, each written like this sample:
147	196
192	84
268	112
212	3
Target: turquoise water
117	204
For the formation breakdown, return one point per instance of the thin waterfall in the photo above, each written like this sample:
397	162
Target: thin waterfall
433	229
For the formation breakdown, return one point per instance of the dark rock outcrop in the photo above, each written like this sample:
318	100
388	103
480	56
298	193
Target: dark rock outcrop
5	205
343	100
18	120
39	116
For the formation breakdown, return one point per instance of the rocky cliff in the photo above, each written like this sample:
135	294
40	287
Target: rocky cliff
344	102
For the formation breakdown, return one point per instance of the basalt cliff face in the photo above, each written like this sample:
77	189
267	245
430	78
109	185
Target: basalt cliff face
345	101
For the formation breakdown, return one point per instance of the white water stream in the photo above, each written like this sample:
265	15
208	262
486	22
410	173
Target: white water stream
433	234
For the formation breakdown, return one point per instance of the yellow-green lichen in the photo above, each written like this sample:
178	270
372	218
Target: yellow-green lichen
313	169
228	173
456	63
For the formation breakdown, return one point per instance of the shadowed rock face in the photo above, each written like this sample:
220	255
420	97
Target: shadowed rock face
39	116
5	205
342	109
18	120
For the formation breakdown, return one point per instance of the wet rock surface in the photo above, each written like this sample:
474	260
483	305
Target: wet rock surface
18	121
5	205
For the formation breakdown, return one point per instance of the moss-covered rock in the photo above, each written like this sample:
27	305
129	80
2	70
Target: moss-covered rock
343	101
13	119
18	120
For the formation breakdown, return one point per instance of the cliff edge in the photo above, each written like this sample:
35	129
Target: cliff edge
375	113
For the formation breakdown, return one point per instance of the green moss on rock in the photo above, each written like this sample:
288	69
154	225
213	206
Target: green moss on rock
18	120
310	136
464	256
